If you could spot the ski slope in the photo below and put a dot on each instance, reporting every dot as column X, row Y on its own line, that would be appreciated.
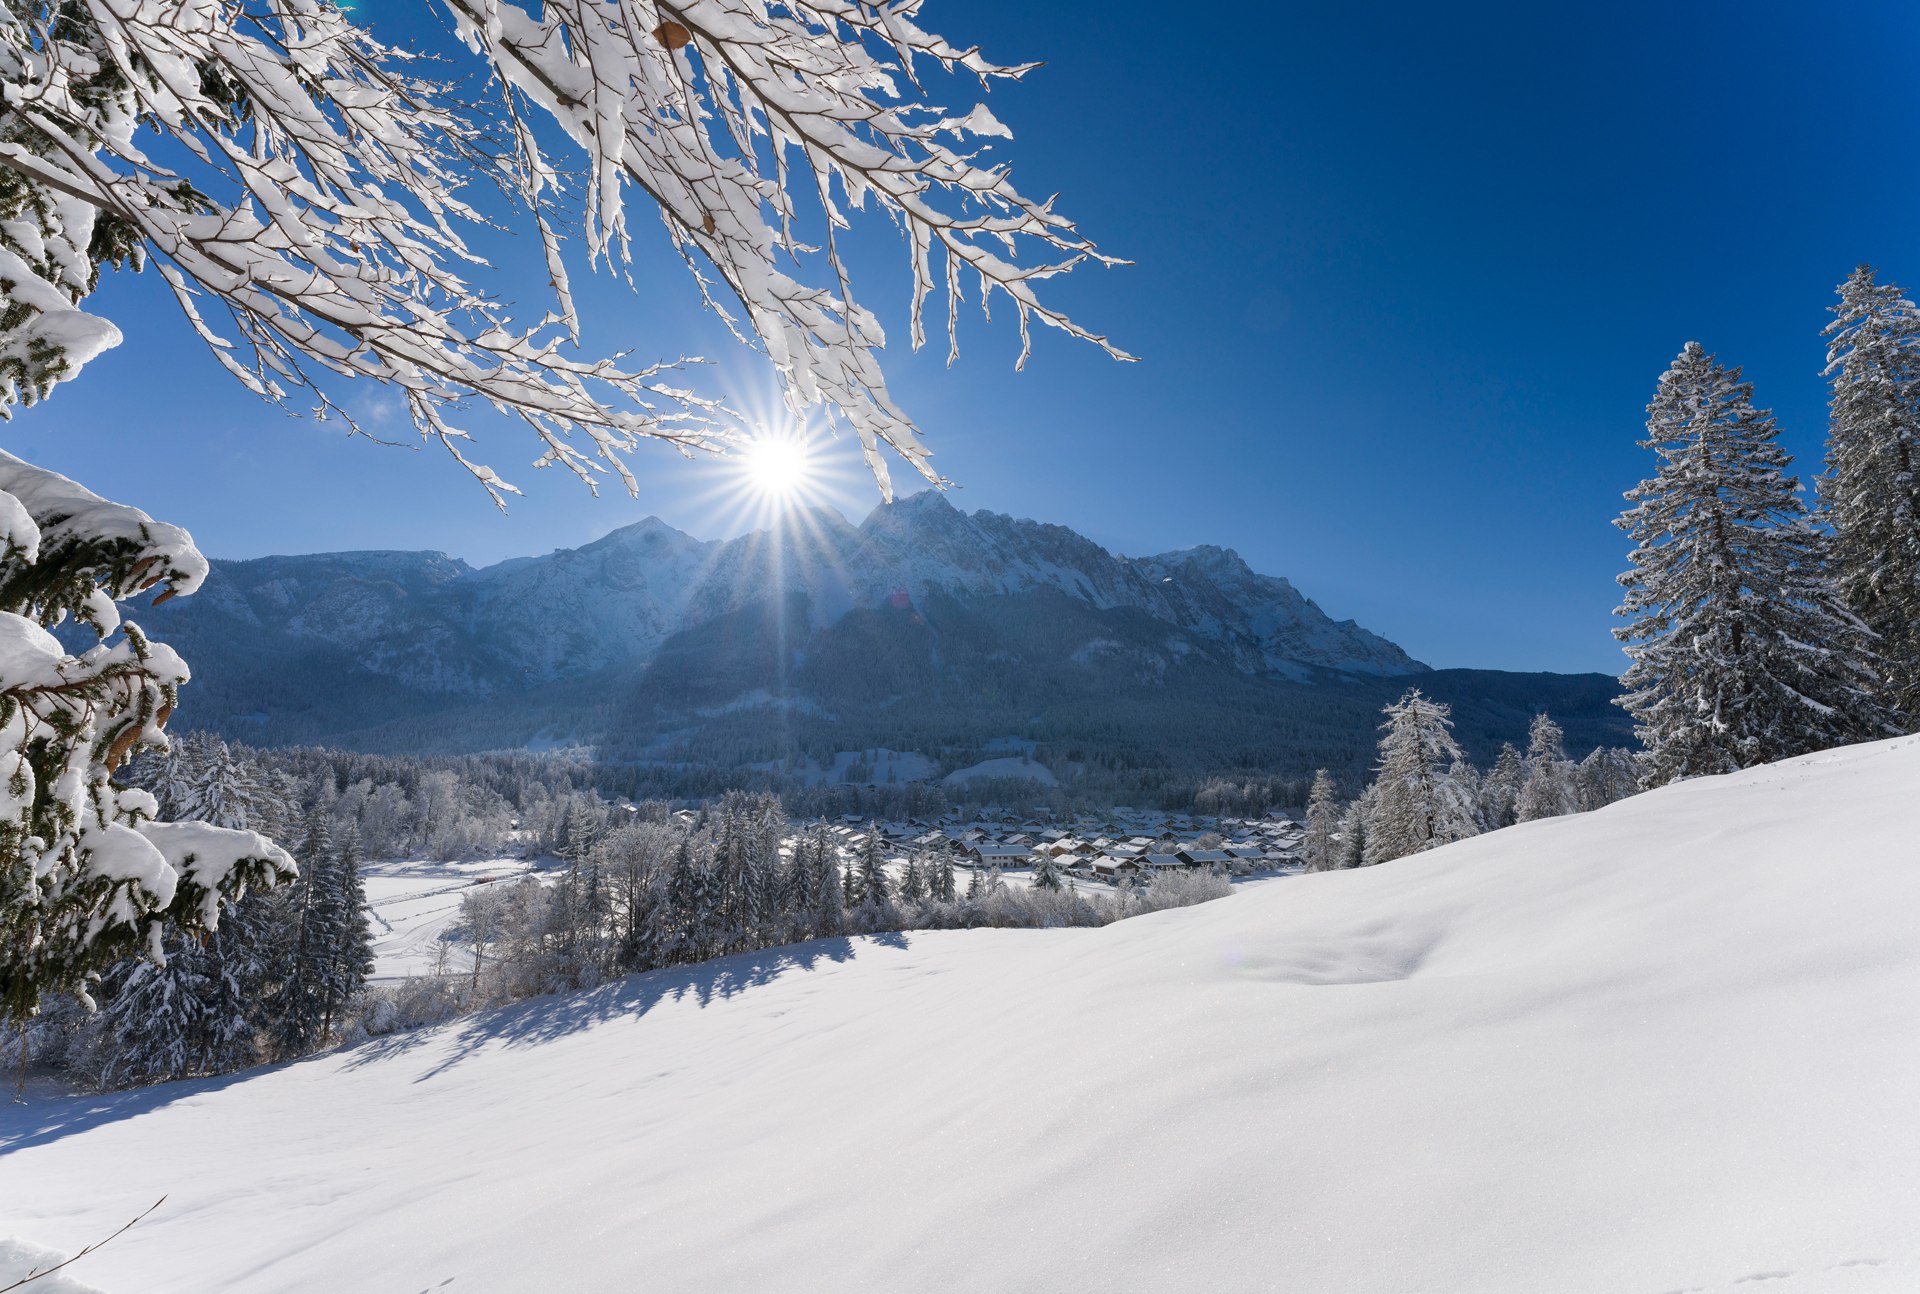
column 1670, row 1046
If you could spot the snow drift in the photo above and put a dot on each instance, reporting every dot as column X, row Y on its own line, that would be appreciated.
column 1673, row 1045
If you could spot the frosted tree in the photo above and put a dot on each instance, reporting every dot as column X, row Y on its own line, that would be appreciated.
column 1500, row 789
column 829, row 894
column 186, row 1015
column 942, row 887
column 345, row 945
column 1870, row 491
column 1550, row 788
column 87, row 876
column 1319, row 849
column 1418, row 803
column 1610, row 773
column 1355, row 826
column 913, row 881
column 1046, row 872
column 297, row 1010
column 1740, row 651
column 310, row 217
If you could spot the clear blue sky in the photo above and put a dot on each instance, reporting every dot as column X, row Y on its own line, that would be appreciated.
column 1406, row 275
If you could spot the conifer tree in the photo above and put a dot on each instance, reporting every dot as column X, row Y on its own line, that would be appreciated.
column 1500, row 789
column 875, row 887
column 1740, row 652
column 1046, row 872
column 1319, row 850
column 297, row 1009
column 943, row 879
column 1419, row 804
column 913, row 881
column 1549, row 789
column 1870, row 491
column 976, row 885
column 829, row 896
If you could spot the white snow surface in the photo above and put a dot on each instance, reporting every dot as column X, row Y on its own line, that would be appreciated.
column 414, row 904
column 1005, row 766
column 1672, row 1045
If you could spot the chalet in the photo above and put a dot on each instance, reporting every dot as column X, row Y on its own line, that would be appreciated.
column 1163, row 863
column 1205, row 857
column 991, row 855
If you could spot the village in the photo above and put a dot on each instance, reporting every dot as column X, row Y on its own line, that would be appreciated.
column 1112, row 847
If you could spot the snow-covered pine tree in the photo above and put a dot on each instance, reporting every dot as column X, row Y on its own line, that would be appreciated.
column 296, row 1010
column 346, row 948
column 1355, row 823
column 1870, row 490
column 976, row 885
column 1419, row 805
column 1549, row 789
column 1610, row 773
column 1500, row 789
column 829, row 895
column 1319, row 850
column 913, row 881
column 875, row 886
column 943, row 879
column 1046, row 872
column 186, row 1015
column 1740, row 651
column 87, row 876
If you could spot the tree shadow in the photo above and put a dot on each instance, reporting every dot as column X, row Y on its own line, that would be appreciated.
column 544, row 1019
column 43, row 1120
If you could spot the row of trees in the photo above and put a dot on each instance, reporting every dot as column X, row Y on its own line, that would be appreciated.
column 277, row 976
column 1759, row 628
column 1426, row 794
column 642, row 895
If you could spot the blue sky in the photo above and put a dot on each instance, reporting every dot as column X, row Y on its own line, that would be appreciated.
column 1405, row 277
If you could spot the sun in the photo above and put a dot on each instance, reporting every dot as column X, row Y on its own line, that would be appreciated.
column 777, row 467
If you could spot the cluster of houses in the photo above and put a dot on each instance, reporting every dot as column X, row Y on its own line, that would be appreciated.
column 1120, row 844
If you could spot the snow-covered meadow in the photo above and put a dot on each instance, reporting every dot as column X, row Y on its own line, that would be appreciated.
column 1672, row 1045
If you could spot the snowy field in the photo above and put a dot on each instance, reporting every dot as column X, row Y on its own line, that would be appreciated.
column 1671, row 1046
column 412, row 905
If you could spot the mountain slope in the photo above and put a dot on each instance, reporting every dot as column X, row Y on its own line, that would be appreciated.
column 922, row 621
column 1666, row 1046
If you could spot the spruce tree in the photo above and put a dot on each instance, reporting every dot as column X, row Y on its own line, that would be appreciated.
column 1500, row 789
column 1319, row 850
column 1740, row 651
column 1870, row 491
column 875, row 886
column 1419, row 804
column 1046, row 872
column 1549, row 789
column 829, row 914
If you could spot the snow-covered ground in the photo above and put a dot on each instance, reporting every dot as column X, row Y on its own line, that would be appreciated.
column 1670, row 1046
column 413, row 904
column 1004, row 766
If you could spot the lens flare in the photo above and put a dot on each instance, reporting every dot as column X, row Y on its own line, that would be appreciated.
column 777, row 467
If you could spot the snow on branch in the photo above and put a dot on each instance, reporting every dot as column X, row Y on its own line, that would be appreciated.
column 318, row 234
column 721, row 111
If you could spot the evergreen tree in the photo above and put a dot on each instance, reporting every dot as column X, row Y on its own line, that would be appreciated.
column 1549, row 790
column 1046, row 872
column 1608, row 774
column 1319, row 851
column 829, row 896
column 943, row 879
column 1740, row 652
column 187, row 1016
column 913, row 881
column 1420, row 805
column 976, row 885
column 1870, row 491
column 1500, row 789
column 875, row 887
column 298, row 1006
column 346, row 938
column 1354, row 826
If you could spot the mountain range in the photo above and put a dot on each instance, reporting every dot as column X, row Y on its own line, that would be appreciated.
column 923, row 628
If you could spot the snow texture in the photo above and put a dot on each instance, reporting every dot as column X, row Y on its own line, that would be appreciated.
column 1665, row 1046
